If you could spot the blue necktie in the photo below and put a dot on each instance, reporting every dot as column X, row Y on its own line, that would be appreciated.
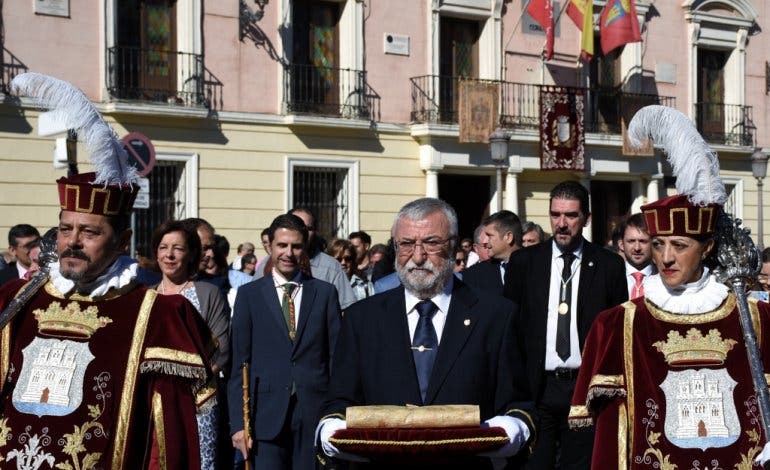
column 425, row 344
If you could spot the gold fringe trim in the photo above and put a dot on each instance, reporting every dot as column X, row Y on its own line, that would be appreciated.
column 206, row 398
column 577, row 423
column 179, row 370
column 578, row 411
column 466, row 440
column 603, row 392
column 173, row 355
column 607, row 381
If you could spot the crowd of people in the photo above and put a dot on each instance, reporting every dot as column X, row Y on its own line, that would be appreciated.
column 292, row 381
column 575, row 355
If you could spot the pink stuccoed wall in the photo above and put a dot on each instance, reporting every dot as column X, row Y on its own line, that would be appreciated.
column 250, row 76
column 389, row 74
column 67, row 48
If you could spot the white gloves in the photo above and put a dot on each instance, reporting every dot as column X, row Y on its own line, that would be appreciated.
column 515, row 429
column 763, row 456
column 326, row 429
column 517, row 432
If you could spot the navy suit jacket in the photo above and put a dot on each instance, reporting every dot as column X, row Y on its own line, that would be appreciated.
column 10, row 273
column 527, row 280
column 485, row 276
column 260, row 336
column 478, row 361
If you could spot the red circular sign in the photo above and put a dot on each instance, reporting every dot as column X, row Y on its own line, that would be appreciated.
column 141, row 152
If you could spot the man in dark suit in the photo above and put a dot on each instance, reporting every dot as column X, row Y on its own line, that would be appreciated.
column 561, row 286
column 503, row 230
column 430, row 341
column 285, row 326
column 21, row 239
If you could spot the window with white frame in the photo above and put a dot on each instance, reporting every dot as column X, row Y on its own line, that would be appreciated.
column 330, row 189
column 734, row 203
column 172, row 196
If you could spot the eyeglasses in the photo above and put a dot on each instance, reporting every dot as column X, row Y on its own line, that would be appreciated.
column 431, row 246
column 345, row 258
column 459, row 261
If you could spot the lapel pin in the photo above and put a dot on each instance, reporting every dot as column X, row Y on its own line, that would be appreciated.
column 467, row 322
column 590, row 264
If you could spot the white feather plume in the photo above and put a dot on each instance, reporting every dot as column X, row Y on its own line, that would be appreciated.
column 76, row 112
column 695, row 165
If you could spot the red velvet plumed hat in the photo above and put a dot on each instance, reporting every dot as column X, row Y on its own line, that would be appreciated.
column 112, row 189
column 694, row 211
column 79, row 193
column 676, row 215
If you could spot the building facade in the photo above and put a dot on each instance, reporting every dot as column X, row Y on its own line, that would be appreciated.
column 351, row 106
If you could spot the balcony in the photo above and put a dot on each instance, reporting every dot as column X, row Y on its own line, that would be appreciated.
column 10, row 66
column 606, row 107
column 330, row 92
column 435, row 98
column 160, row 77
column 726, row 124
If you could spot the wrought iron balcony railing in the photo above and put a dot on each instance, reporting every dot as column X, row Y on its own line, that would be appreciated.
column 435, row 99
column 159, row 76
column 727, row 124
column 329, row 91
column 606, row 107
column 10, row 66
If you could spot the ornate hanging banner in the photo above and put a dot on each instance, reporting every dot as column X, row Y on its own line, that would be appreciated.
column 477, row 110
column 562, row 135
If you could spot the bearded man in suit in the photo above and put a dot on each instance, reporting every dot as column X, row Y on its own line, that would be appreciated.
column 561, row 285
column 431, row 341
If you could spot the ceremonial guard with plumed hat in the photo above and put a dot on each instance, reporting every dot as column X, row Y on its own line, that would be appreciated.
column 97, row 371
column 665, row 377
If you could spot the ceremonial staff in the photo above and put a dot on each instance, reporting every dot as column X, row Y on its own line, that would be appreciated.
column 46, row 257
column 697, row 169
column 740, row 264
column 246, row 423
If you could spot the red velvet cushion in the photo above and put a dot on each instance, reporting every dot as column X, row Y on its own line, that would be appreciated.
column 396, row 443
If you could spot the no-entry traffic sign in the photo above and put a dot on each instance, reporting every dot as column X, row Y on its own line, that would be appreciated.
column 141, row 152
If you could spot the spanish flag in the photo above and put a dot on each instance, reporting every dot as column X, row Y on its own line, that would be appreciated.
column 582, row 14
column 618, row 24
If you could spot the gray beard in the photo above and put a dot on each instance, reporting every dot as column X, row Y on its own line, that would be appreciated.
column 421, row 284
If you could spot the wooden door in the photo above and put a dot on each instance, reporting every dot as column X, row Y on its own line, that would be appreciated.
column 610, row 202
column 711, row 92
column 459, row 58
column 316, row 72
column 158, row 74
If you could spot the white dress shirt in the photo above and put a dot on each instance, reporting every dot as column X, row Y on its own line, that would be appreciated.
column 552, row 359
column 441, row 300
column 22, row 270
column 296, row 294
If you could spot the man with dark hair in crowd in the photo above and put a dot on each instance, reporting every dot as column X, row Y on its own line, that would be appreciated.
column 21, row 239
column 503, row 231
column 208, row 261
column 561, row 286
column 323, row 266
column 635, row 246
column 285, row 327
column 361, row 242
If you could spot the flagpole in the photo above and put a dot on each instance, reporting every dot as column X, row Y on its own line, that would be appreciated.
column 504, row 70
column 555, row 22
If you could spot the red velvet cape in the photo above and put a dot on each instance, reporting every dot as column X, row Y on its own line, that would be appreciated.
column 691, row 410
column 130, row 400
